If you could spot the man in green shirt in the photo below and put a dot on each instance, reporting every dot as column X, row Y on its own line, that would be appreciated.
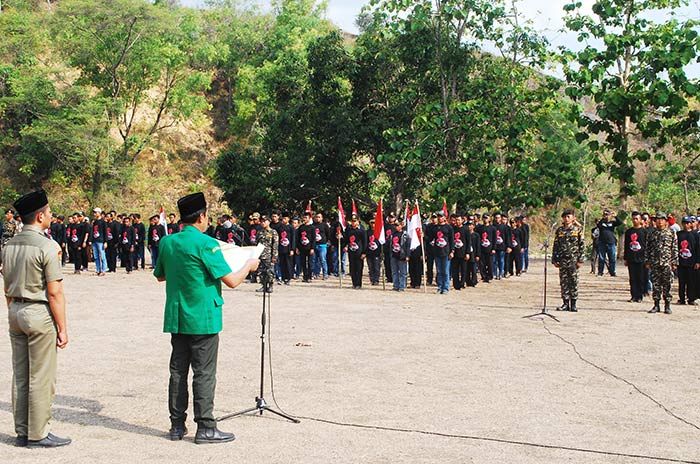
column 193, row 267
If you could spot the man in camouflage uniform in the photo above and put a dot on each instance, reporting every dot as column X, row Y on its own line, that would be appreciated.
column 9, row 228
column 269, row 238
column 567, row 255
column 661, row 257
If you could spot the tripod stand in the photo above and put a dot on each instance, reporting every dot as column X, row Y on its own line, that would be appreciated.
column 260, row 403
column 545, row 246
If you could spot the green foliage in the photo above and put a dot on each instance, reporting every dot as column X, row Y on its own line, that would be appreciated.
column 634, row 71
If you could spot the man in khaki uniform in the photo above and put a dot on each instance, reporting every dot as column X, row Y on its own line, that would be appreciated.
column 37, row 320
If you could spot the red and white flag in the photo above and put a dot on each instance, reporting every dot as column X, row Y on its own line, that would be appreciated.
column 162, row 221
column 354, row 208
column 308, row 207
column 379, row 224
column 444, row 208
column 341, row 214
column 415, row 228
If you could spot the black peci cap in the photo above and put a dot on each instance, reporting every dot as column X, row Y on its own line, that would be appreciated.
column 191, row 204
column 567, row 211
column 31, row 202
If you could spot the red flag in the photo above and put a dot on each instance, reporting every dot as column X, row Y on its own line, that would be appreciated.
column 354, row 208
column 341, row 214
column 379, row 224
column 444, row 208
column 415, row 227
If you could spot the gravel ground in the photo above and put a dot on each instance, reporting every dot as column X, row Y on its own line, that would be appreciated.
column 383, row 377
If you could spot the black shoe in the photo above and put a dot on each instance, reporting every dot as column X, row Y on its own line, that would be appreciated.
column 564, row 306
column 212, row 435
column 572, row 306
column 680, row 302
column 51, row 441
column 177, row 432
column 655, row 309
column 21, row 441
column 667, row 307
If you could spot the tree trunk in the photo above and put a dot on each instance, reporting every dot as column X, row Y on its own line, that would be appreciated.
column 685, row 194
column 97, row 179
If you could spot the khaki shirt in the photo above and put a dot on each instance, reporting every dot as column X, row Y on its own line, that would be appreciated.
column 29, row 261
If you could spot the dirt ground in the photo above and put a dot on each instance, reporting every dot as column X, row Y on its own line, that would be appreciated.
column 457, row 378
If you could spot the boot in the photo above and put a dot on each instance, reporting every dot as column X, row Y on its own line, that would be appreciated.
column 564, row 306
column 667, row 307
column 656, row 307
column 572, row 306
column 177, row 431
column 212, row 435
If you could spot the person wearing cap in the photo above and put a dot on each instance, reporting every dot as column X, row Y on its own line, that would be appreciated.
column 98, row 236
column 661, row 257
column 268, row 258
column 688, row 263
column 633, row 255
column 567, row 256
column 607, row 242
column 33, row 282
column 193, row 267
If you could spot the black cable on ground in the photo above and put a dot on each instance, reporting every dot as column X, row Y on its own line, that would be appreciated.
column 471, row 437
column 617, row 377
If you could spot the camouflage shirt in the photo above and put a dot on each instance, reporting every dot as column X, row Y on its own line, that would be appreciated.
column 9, row 230
column 662, row 248
column 568, row 246
column 270, row 240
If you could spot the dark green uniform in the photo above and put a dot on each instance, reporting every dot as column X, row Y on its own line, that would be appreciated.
column 192, row 264
column 567, row 252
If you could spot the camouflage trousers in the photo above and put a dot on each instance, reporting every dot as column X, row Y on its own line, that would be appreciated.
column 568, row 280
column 661, row 279
column 266, row 267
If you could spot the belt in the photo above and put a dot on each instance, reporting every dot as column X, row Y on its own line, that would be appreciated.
column 26, row 300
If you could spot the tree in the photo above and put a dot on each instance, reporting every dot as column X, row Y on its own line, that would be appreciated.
column 634, row 71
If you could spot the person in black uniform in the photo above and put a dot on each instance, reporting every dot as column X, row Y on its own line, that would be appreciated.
column 287, row 245
column 415, row 266
column 635, row 247
column 473, row 255
column 126, row 243
column 688, row 263
column 112, row 229
column 58, row 233
column 322, row 235
column 354, row 238
column 499, row 246
column 389, row 227
column 172, row 226
column 444, row 252
column 429, row 240
column 139, row 242
column 305, row 246
column 75, row 242
column 84, row 233
column 373, row 253
column 486, row 238
column 155, row 233
column 515, row 248
column 459, row 262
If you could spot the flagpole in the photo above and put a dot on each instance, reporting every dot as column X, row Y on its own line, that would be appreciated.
column 340, row 258
column 422, row 246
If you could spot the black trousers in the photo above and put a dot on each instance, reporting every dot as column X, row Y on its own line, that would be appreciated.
column 430, row 264
column 374, row 266
column 486, row 266
column 127, row 259
column 459, row 272
column 356, row 267
column 415, row 270
column 112, row 257
column 200, row 352
column 306, row 264
column 638, row 282
column 472, row 271
column 687, row 284
column 286, row 263
column 140, row 255
column 84, row 256
column 75, row 257
column 387, row 263
column 515, row 261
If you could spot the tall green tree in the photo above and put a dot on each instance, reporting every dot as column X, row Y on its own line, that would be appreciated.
column 634, row 71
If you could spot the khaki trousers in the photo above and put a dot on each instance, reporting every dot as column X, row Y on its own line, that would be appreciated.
column 33, row 337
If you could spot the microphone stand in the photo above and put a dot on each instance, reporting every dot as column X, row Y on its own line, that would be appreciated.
column 545, row 246
column 260, row 403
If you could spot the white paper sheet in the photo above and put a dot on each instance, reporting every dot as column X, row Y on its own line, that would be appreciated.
column 236, row 256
